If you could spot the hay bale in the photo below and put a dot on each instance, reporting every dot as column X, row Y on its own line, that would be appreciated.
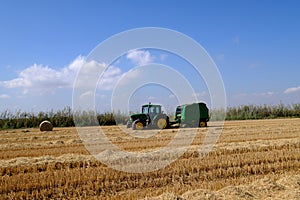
column 46, row 126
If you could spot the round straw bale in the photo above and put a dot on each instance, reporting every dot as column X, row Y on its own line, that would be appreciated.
column 46, row 126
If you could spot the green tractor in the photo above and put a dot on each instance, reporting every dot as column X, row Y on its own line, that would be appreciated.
column 152, row 116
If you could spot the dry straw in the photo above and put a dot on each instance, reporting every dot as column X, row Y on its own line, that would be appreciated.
column 46, row 126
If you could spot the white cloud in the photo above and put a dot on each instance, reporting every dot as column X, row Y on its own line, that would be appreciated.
column 129, row 77
column 89, row 76
column 140, row 57
column 40, row 79
column 109, row 78
column 291, row 90
column 36, row 77
column 4, row 96
column 44, row 79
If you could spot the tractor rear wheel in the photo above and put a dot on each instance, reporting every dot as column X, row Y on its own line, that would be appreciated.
column 202, row 124
column 137, row 125
column 161, row 123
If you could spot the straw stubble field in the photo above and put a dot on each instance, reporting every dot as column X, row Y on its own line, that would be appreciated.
column 251, row 160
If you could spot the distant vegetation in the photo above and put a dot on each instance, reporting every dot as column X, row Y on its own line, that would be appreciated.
column 262, row 112
column 64, row 117
column 60, row 118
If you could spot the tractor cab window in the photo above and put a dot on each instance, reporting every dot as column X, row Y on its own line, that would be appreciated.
column 155, row 109
column 145, row 109
column 152, row 110
column 158, row 109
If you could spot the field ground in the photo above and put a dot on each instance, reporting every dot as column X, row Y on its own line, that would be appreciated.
column 257, row 159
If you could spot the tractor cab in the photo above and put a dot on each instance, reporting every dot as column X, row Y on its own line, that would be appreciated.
column 151, row 117
column 151, row 110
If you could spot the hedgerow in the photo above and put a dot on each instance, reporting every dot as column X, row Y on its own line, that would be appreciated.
column 65, row 117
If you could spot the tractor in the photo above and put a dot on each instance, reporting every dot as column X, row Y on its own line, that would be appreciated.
column 152, row 116
column 187, row 115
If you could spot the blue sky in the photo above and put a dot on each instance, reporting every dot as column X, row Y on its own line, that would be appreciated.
column 255, row 45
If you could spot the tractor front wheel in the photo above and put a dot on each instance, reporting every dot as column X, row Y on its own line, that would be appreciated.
column 137, row 125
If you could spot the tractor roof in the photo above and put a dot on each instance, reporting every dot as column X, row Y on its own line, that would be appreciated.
column 151, row 105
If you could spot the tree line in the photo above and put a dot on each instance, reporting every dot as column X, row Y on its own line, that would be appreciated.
column 66, row 117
